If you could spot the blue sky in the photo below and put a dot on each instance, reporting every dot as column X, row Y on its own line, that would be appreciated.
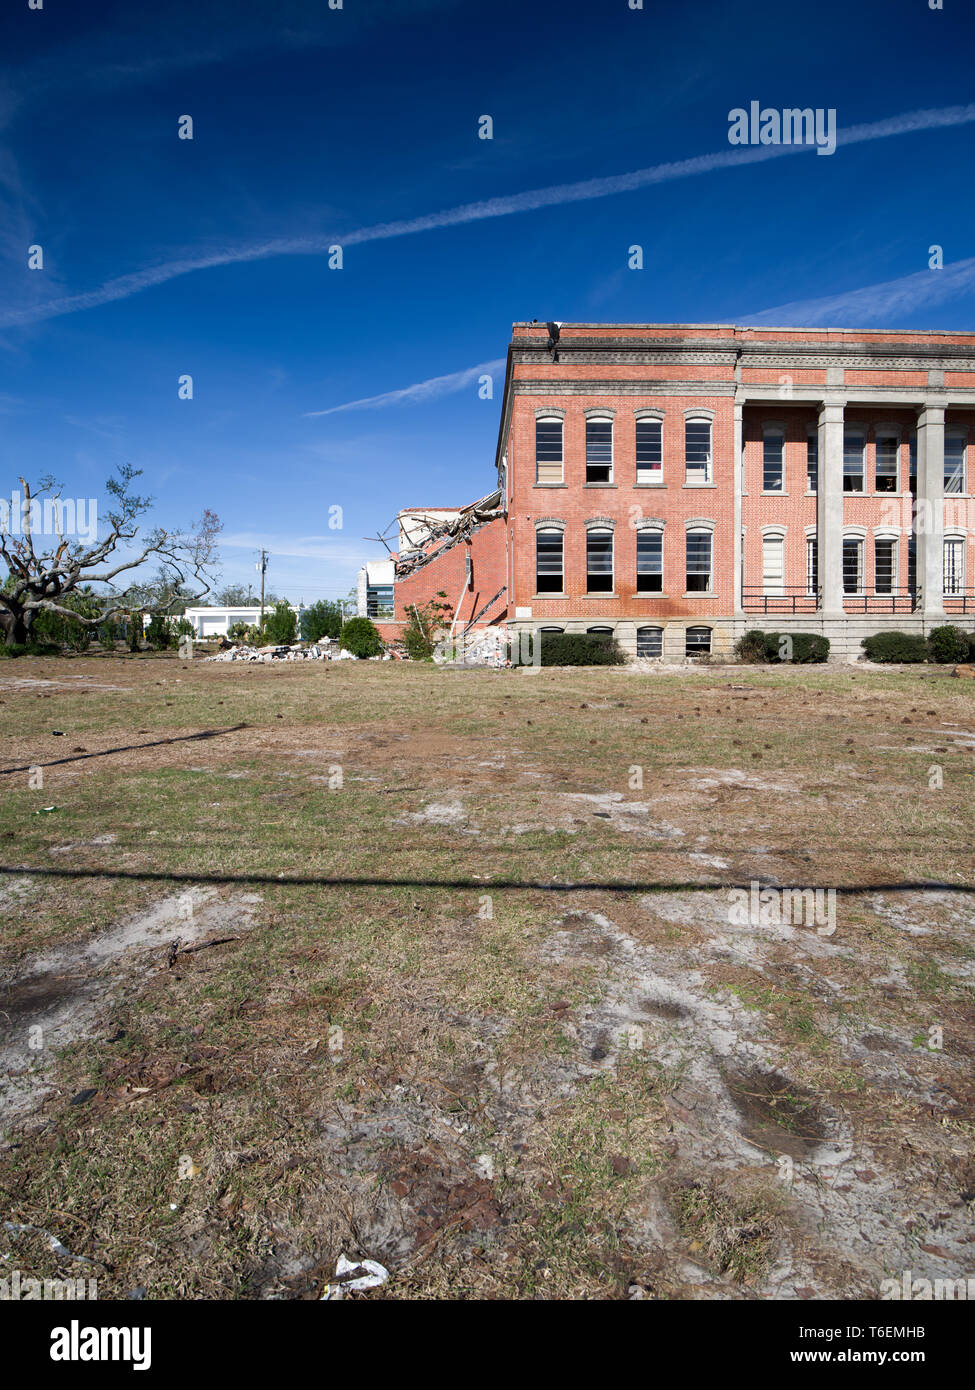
column 359, row 127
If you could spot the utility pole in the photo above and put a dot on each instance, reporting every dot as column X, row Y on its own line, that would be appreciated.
column 262, row 567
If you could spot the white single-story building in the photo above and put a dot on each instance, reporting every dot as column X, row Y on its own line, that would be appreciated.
column 217, row 622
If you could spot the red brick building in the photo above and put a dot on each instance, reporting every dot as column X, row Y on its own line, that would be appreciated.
column 677, row 484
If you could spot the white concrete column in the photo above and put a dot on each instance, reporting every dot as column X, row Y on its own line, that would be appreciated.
column 739, row 480
column 930, row 513
column 829, row 507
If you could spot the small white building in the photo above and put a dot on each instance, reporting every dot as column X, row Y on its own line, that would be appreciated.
column 217, row 622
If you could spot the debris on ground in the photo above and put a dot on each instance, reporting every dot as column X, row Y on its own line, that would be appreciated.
column 317, row 651
column 351, row 1280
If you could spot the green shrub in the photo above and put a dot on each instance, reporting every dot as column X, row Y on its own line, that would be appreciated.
column 237, row 632
column 361, row 637
column 895, row 646
column 948, row 644
column 280, row 625
column 751, row 647
column 12, row 649
column 971, row 646
column 322, row 619
column 798, row 647
column 573, row 649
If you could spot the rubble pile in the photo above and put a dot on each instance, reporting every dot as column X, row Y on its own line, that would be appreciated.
column 318, row 651
column 484, row 647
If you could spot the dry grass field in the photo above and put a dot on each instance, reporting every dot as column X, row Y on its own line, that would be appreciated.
column 449, row 969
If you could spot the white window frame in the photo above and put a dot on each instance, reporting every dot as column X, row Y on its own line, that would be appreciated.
column 691, row 479
column 886, row 432
column 773, row 536
column 601, row 418
column 954, row 541
column 602, row 528
column 858, row 432
column 545, row 419
column 957, row 432
column 649, row 417
column 549, row 528
column 772, row 430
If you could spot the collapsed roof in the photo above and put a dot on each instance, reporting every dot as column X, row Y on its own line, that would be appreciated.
column 440, row 537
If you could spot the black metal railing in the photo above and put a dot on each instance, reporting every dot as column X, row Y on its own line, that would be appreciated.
column 882, row 601
column 785, row 599
column 961, row 601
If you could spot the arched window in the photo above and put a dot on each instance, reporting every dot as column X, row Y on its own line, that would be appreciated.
column 548, row 560
column 773, row 563
column 548, row 449
column 697, row 449
column 599, row 561
column 599, row 450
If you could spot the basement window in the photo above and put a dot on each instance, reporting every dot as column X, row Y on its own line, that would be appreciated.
column 649, row 641
column 697, row 641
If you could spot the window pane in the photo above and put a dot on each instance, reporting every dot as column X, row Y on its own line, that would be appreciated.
column 649, row 450
column 953, row 565
column 599, row 561
column 697, row 449
column 812, row 565
column 888, row 451
column 548, row 441
column 853, row 461
column 852, row 566
column 812, row 460
column 649, row 562
column 773, row 450
column 599, row 451
column 954, row 461
column 883, row 579
column 548, row 552
column 698, row 561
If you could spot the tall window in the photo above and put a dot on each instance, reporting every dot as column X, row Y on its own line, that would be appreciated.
column 812, row 460
column 649, row 562
column 912, row 464
column 599, row 561
column 697, row 451
column 548, row 450
column 888, row 452
column 812, row 565
column 852, row 565
column 649, row 451
column 884, row 565
column 773, row 450
column 599, row 451
column 955, row 443
column 649, row 641
column 954, row 565
column 548, row 561
column 773, row 565
column 698, row 562
column 912, row 565
column 853, row 460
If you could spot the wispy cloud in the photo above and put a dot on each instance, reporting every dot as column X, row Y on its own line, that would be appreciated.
column 881, row 303
column 532, row 200
column 337, row 551
column 420, row 391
